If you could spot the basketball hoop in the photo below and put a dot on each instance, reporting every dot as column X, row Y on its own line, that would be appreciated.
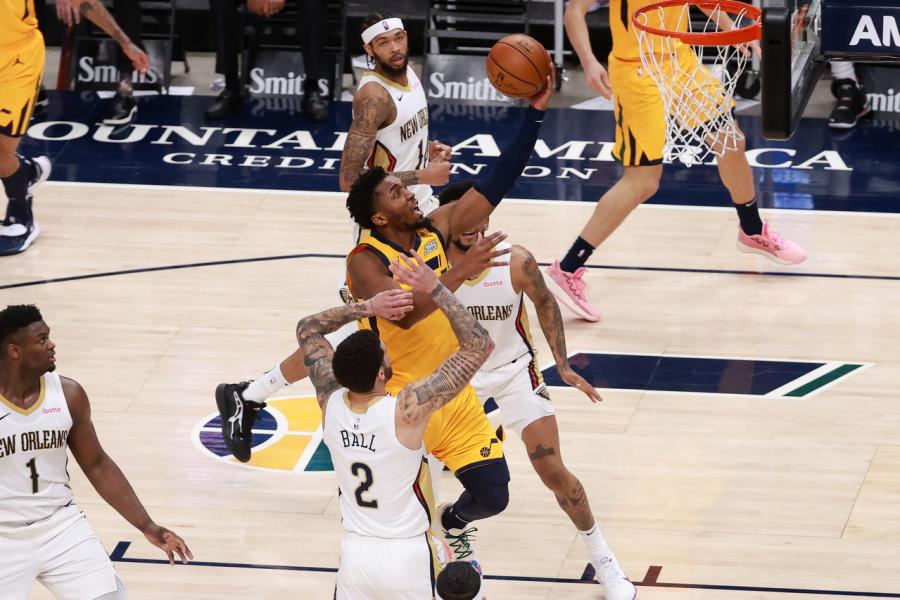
column 696, row 68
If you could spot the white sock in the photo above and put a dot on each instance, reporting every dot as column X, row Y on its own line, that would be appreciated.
column 843, row 69
column 598, row 548
column 261, row 388
column 596, row 545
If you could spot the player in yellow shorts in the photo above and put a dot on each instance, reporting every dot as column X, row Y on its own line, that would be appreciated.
column 640, row 139
column 21, row 66
column 459, row 434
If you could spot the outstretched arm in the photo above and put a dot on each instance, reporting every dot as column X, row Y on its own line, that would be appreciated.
column 317, row 350
column 418, row 400
column 479, row 201
column 109, row 481
column 373, row 108
column 97, row 13
column 527, row 277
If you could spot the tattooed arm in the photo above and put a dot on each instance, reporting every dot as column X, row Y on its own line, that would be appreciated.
column 97, row 13
column 317, row 350
column 373, row 109
column 527, row 277
column 418, row 400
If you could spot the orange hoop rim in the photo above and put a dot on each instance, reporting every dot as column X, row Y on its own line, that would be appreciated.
column 742, row 35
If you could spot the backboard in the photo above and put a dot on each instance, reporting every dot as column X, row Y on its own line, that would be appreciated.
column 800, row 36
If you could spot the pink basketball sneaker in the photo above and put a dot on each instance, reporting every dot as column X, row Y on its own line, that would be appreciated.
column 771, row 245
column 571, row 291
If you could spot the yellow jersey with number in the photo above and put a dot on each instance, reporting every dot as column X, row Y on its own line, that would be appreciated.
column 625, row 42
column 18, row 22
column 418, row 351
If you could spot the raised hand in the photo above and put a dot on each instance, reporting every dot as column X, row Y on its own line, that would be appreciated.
column 168, row 542
column 436, row 173
column 578, row 382
column 542, row 98
column 438, row 152
column 412, row 271
column 482, row 256
column 392, row 305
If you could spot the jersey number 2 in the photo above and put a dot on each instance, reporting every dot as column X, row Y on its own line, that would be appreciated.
column 34, row 475
column 364, row 485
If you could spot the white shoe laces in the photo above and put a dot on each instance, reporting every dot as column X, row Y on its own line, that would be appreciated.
column 236, row 420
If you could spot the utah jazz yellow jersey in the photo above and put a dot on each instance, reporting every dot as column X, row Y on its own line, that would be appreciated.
column 459, row 434
column 625, row 43
column 418, row 351
column 18, row 22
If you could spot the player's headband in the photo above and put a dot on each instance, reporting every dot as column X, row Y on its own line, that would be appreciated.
column 380, row 27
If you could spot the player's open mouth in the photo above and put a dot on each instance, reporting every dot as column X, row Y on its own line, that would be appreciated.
column 398, row 61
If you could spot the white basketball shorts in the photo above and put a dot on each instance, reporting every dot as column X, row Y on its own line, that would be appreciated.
column 373, row 568
column 519, row 391
column 62, row 552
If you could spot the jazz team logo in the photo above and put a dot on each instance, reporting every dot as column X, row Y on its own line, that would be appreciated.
column 287, row 436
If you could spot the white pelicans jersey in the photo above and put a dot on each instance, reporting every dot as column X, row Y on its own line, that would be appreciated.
column 34, row 482
column 385, row 488
column 402, row 145
column 492, row 300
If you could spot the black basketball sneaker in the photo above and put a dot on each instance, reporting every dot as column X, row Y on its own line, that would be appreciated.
column 237, row 416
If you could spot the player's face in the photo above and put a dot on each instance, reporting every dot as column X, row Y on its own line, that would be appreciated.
column 36, row 350
column 465, row 240
column 396, row 206
column 390, row 51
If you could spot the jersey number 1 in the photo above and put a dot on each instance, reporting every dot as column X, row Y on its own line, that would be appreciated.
column 34, row 475
column 364, row 485
column 423, row 155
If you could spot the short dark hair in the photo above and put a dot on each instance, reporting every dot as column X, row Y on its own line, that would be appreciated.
column 458, row 581
column 373, row 18
column 356, row 361
column 454, row 191
column 361, row 199
column 15, row 317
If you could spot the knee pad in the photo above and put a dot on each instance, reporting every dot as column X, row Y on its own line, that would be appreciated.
column 488, row 486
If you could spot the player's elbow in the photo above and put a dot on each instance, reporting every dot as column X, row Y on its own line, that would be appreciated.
column 484, row 345
column 303, row 329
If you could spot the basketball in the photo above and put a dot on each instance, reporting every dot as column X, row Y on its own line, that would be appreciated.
column 518, row 66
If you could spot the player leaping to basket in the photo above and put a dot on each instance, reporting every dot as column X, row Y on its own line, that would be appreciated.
column 649, row 103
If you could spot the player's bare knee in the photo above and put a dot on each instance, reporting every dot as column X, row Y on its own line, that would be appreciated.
column 644, row 182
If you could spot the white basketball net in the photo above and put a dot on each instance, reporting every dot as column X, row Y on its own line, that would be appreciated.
column 697, row 84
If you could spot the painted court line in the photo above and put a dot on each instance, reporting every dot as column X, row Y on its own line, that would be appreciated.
column 651, row 579
column 235, row 261
column 343, row 195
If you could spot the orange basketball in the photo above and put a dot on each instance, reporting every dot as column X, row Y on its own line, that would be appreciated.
column 518, row 66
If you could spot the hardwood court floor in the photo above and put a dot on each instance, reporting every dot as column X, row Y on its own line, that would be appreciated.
column 749, row 491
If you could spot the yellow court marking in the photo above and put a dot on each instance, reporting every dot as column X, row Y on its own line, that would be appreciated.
column 302, row 414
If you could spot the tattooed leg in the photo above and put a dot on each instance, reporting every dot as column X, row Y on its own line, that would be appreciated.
column 541, row 439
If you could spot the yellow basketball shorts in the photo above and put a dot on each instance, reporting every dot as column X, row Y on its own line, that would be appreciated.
column 460, row 435
column 639, row 110
column 21, row 68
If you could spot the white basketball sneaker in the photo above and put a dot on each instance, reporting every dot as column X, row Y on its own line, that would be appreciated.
column 610, row 574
